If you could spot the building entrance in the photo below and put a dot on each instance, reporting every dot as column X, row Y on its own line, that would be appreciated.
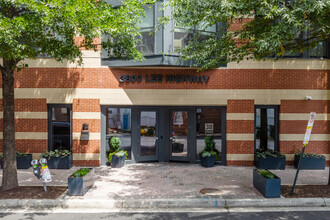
column 163, row 134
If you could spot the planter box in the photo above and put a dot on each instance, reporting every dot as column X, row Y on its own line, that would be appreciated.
column 207, row 161
column 269, row 188
column 177, row 148
column 117, row 162
column 310, row 163
column 60, row 163
column 270, row 163
column 78, row 186
column 24, row 162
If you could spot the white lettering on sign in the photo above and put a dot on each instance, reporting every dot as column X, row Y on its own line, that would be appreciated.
column 309, row 128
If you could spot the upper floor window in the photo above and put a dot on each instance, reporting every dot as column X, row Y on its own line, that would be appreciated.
column 184, row 36
column 146, row 44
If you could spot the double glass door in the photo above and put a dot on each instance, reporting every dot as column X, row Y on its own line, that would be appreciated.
column 162, row 135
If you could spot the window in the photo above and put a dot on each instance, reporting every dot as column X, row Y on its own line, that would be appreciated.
column 208, row 123
column 319, row 51
column 118, row 124
column 146, row 44
column 59, row 122
column 266, row 128
column 184, row 36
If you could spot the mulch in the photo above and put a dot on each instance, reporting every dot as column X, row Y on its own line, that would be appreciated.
column 306, row 191
column 33, row 192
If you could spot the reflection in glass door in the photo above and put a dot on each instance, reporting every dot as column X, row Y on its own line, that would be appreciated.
column 148, row 135
column 179, row 134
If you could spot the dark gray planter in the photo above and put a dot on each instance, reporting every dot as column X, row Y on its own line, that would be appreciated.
column 24, row 162
column 207, row 161
column 117, row 162
column 78, row 186
column 310, row 163
column 270, row 163
column 269, row 188
column 60, row 163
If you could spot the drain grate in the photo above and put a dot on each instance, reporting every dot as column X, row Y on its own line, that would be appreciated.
column 210, row 192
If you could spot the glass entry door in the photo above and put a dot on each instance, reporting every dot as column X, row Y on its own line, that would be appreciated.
column 148, row 135
column 179, row 135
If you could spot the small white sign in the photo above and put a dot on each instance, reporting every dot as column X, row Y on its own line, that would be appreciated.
column 309, row 127
column 209, row 128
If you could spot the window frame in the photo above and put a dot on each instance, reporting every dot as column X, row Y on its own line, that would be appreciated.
column 49, row 123
column 276, row 122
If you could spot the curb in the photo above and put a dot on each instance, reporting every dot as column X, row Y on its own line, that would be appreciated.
column 164, row 203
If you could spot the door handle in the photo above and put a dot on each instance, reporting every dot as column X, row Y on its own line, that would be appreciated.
column 156, row 138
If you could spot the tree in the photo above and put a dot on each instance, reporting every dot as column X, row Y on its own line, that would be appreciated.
column 29, row 28
column 270, row 28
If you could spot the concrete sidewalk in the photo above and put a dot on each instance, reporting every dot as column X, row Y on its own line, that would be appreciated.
column 166, row 185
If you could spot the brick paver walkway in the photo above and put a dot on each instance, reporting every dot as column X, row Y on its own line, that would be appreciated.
column 174, row 180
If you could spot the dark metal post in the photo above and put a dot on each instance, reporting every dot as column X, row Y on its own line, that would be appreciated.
column 298, row 168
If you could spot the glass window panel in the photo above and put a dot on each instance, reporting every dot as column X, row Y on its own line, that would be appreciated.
column 118, row 124
column 61, row 129
column 182, row 37
column 148, row 20
column 320, row 50
column 147, row 43
column 148, row 133
column 179, row 133
column 265, row 128
column 208, row 123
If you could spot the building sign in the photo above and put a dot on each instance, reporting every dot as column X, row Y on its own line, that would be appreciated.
column 159, row 78
column 309, row 128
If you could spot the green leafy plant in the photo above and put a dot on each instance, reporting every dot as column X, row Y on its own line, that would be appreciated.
column 265, row 173
column 269, row 153
column 81, row 172
column 56, row 153
column 208, row 150
column 19, row 154
column 115, row 149
column 309, row 154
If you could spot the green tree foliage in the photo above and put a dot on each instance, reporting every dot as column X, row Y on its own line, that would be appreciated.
column 277, row 27
column 29, row 28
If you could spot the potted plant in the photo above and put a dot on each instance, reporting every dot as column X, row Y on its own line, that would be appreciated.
column 208, row 154
column 58, row 159
column 267, row 183
column 272, row 160
column 80, row 181
column 116, row 156
column 310, row 161
column 23, row 160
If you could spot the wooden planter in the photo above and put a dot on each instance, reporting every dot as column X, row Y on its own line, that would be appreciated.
column 310, row 163
column 117, row 162
column 78, row 186
column 60, row 163
column 207, row 161
column 269, row 188
column 22, row 162
column 270, row 163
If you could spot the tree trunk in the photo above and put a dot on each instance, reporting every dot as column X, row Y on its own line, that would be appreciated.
column 9, row 176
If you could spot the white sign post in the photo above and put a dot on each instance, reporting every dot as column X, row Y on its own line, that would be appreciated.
column 306, row 140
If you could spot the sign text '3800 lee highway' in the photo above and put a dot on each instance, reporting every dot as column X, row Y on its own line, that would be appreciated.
column 159, row 78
